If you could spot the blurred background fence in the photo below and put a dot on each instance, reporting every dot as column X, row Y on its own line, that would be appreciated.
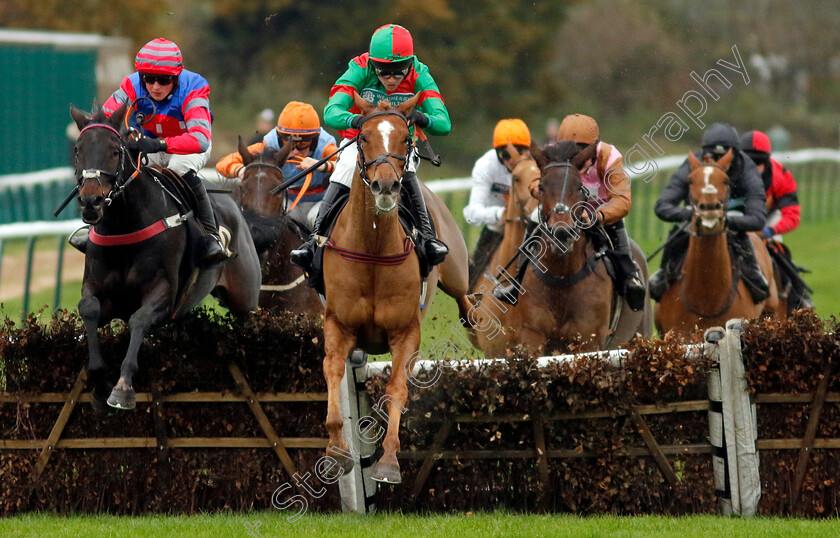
column 27, row 202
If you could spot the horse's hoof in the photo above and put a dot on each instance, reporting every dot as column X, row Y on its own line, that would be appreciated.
column 387, row 472
column 345, row 463
column 122, row 399
column 101, row 407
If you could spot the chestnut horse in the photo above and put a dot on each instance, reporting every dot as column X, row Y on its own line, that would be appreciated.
column 375, row 305
column 707, row 294
column 567, row 294
column 515, row 217
column 140, row 263
column 274, row 233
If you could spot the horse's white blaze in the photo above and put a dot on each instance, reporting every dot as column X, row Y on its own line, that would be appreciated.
column 708, row 189
column 385, row 129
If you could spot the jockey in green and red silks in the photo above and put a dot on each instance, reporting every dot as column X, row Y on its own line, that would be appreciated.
column 388, row 71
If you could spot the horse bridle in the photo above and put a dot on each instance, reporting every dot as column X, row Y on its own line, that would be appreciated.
column 560, row 208
column 383, row 157
column 91, row 174
column 724, row 204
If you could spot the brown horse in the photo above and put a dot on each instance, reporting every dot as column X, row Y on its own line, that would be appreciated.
column 707, row 293
column 375, row 306
column 274, row 233
column 567, row 292
column 140, row 264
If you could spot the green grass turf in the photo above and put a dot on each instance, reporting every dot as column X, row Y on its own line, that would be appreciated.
column 274, row 524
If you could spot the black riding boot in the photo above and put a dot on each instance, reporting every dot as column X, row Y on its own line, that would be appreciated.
column 485, row 247
column 304, row 255
column 214, row 251
column 510, row 294
column 435, row 250
column 751, row 272
column 632, row 288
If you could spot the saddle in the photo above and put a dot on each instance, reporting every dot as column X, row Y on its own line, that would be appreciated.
column 739, row 252
column 183, row 197
column 407, row 220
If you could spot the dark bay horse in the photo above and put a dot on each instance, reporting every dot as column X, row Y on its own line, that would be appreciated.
column 707, row 293
column 376, row 306
column 140, row 264
column 275, row 234
column 568, row 293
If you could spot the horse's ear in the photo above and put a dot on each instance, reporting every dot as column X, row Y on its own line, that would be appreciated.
column 515, row 156
column 538, row 155
column 726, row 160
column 405, row 107
column 363, row 105
column 79, row 117
column 117, row 118
column 283, row 154
column 693, row 161
column 244, row 152
column 587, row 153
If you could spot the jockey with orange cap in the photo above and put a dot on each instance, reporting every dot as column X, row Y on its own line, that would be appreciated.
column 177, row 129
column 491, row 182
column 783, row 211
column 388, row 71
column 298, row 125
column 609, row 192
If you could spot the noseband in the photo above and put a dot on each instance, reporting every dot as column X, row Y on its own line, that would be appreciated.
column 382, row 158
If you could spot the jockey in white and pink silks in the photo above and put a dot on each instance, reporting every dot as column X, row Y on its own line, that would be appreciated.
column 608, row 187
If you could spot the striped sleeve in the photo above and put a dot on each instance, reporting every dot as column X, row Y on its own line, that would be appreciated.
column 125, row 93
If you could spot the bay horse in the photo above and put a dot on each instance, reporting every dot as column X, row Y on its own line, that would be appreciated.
column 375, row 305
column 709, row 292
column 274, row 233
column 139, row 264
column 567, row 293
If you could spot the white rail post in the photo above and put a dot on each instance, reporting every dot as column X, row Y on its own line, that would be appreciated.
column 357, row 488
column 740, row 424
column 713, row 336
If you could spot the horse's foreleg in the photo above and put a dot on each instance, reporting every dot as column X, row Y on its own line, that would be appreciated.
column 403, row 344
column 155, row 307
column 338, row 343
column 90, row 309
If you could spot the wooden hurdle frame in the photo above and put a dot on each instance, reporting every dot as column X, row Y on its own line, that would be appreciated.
column 241, row 393
column 734, row 445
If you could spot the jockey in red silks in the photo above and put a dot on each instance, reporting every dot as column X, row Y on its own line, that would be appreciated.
column 388, row 71
column 783, row 211
column 177, row 130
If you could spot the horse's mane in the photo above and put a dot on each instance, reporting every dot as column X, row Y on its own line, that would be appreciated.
column 560, row 151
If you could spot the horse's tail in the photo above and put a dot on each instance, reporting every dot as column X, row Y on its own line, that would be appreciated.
column 265, row 231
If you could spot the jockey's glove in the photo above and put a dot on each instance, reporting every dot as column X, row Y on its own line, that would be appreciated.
column 356, row 122
column 419, row 119
column 768, row 233
column 687, row 213
column 147, row 145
